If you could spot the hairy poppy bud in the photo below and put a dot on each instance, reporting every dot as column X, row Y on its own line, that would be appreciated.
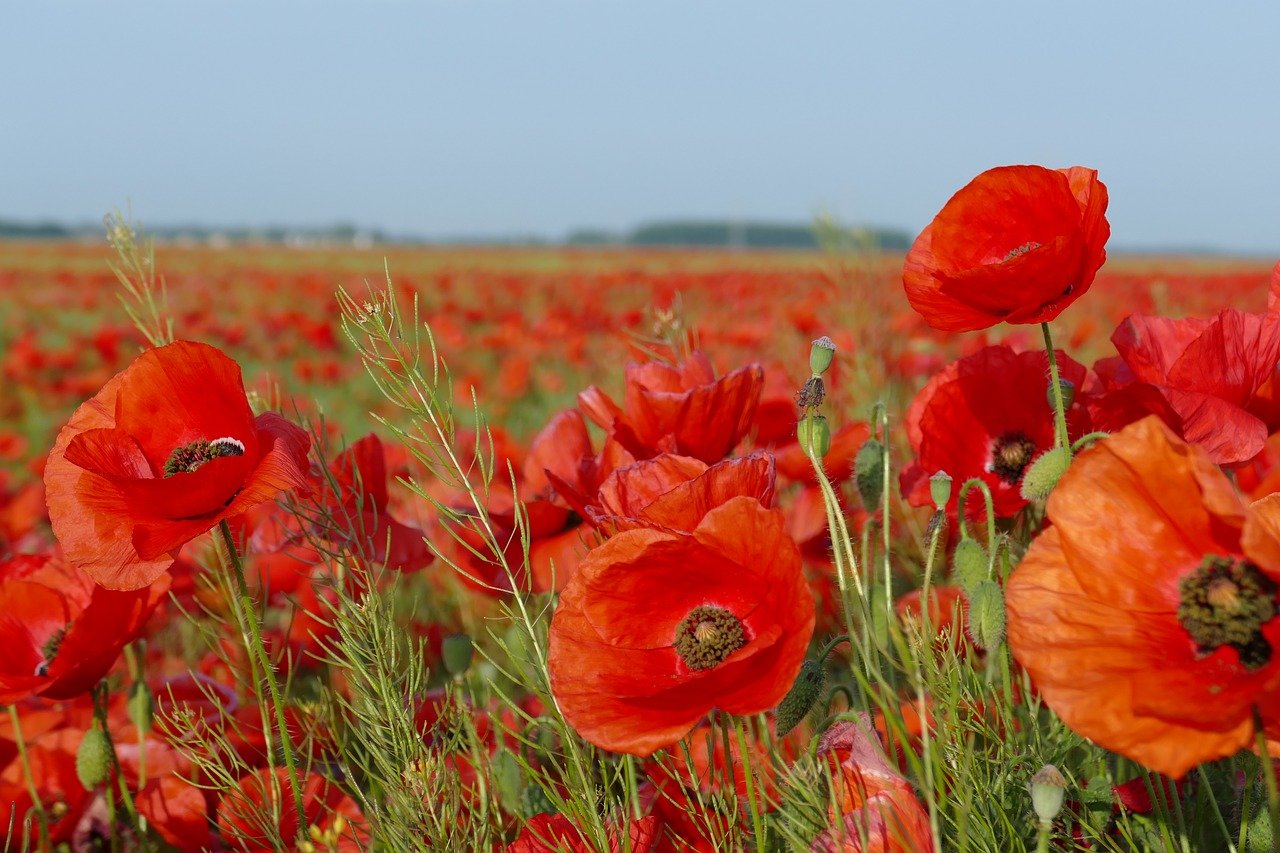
column 508, row 778
column 814, row 435
column 868, row 469
column 986, row 614
column 821, row 354
column 1048, row 791
column 457, row 651
column 1068, row 393
column 140, row 706
column 802, row 696
column 1044, row 473
column 1261, row 833
column 93, row 758
column 940, row 489
column 969, row 564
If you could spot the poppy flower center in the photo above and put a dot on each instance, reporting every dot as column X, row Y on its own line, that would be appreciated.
column 1022, row 250
column 707, row 636
column 1010, row 455
column 50, row 650
column 1226, row 602
column 189, row 457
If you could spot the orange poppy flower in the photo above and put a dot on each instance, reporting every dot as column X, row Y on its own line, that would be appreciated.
column 167, row 449
column 61, row 632
column 1017, row 244
column 681, row 409
column 877, row 810
column 1152, row 634
column 676, row 492
column 659, row 627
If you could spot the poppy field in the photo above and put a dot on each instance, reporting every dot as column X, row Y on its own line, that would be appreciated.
column 549, row 549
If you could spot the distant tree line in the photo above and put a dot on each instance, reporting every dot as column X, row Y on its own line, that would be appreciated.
column 674, row 233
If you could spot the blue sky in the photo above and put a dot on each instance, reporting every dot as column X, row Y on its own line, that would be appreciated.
column 490, row 118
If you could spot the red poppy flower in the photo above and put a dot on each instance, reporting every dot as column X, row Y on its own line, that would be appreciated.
column 53, row 767
column 876, row 810
column 61, row 632
column 1017, row 244
column 986, row 416
column 676, row 492
column 657, row 628
column 546, row 833
column 1202, row 377
column 331, row 818
column 166, row 450
column 1152, row 634
column 681, row 409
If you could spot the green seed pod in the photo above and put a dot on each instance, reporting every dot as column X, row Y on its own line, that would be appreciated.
column 457, row 651
column 986, row 614
column 969, row 564
column 141, row 706
column 1044, row 473
column 821, row 354
column 868, row 467
column 1048, row 791
column 940, row 489
column 93, row 758
column 814, row 435
column 802, row 696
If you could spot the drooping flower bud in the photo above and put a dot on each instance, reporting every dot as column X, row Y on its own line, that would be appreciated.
column 940, row 489
column 457, row 651
column 1048, row 792
column 969, row 564
column 814, row 435
column 508, row 778
column 821, row 354
column 1044, row 473
column 868, row 468
column 986, row 614
column 93, row 758
column 802, row 696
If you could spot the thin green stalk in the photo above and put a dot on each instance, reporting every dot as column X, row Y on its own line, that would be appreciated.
column 757, row 816
column 1055, row 388
column 21, row 744
column 248, row 616
column 99, row 694
column 1217, row 811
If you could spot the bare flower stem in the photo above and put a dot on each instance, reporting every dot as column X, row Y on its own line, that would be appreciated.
column 247, row 615
column 1055, row 388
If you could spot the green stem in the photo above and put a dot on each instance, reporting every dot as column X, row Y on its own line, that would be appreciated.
column 36, row 803
column 249, row 620
column 99, row 694
column 1055, row 388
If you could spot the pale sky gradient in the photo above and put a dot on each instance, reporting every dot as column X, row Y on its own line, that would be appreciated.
column 539, row 116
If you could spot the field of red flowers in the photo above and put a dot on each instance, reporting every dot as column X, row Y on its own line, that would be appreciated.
column 455, row 549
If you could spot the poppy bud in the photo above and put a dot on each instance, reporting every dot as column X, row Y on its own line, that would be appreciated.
column 140, row 706
column 508, row 780
column 1048, row 791
column 821, row 354
column 802, row 696
column 93, row 758
column 868, row 467
column 1068, row 393
column 1261, row 833
column 969, row 564
column 1044, row 473
column 940, row 489
column 457, row 650
column 814, row 435
column 986, row 614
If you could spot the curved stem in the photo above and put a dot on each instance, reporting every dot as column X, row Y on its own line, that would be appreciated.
column 1055, row 388
column 248, row 615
